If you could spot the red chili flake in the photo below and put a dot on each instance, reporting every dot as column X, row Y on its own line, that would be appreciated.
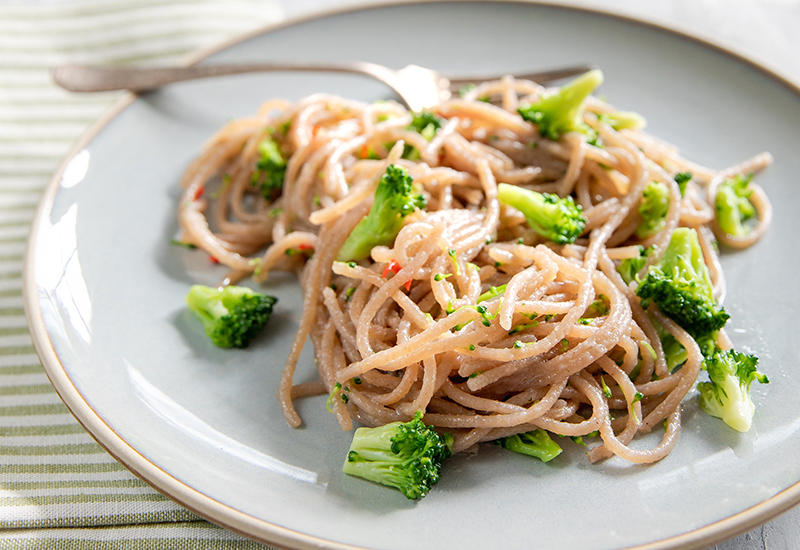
column 315, row 129
column 364, row 152
column 213, row 260
column 394, row 267
column 305, row 246
column 199, row 193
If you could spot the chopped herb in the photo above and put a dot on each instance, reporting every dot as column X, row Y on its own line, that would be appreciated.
column 452, row 253
column 518, row 344
column 349, row 293
column 600, row 307
column 606, row 389
column 329, row 402
column 471, row 347
column 565, row 344
column 520, row 328
column 493, row 292
column 647, row 346
column 176, row 242
column 352, row 265
column 441, row 276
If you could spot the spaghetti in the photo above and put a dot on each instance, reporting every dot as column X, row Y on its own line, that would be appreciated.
column 403, row 331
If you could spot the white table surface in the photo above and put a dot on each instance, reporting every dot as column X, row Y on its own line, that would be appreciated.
column 767, row 31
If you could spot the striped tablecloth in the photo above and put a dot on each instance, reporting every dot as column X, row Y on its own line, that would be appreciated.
column 58, row 488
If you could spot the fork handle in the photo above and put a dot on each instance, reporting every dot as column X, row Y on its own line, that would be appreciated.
column 94, row 78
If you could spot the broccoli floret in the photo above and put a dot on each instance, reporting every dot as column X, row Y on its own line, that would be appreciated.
column 394, row 200
column 623, row 120
column 680, row 285
column 733, row 205
column 405, row 455
column 425, row 123
column 560, row 220
column 536, row 443
column 727, row 395
column 629, row 267
column 560, row 112
column 682, row 178
column 653, row 209
column 232, row 316
column 270, row 168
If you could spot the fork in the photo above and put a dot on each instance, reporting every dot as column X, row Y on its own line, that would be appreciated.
column 418, row 87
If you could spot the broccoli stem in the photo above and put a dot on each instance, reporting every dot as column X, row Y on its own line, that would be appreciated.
column 557, row 219
column 394, row 200
column 561, row 112
column 536, row 443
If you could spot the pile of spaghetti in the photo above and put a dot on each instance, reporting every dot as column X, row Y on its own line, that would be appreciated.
column 468, row 314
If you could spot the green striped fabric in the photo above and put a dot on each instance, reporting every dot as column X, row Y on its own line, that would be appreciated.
column 58, row 488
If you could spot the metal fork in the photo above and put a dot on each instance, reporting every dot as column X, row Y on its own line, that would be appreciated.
column 418, row 87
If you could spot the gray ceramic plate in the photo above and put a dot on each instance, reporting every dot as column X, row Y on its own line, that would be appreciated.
column 105, row 299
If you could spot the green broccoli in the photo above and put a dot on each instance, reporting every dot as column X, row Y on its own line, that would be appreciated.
column 727, row 395
column 394, row 200
column 405, row 455
column 425, row 123
column 680, row 285
column 623, row 120
column 653, row 209
column 683, row 178
column 560, row 220
column 270, row 168
column 629, row 267
column 733, row 205
column 232, row 316
column 536, row 443
column 561, row 112
column 674, row 352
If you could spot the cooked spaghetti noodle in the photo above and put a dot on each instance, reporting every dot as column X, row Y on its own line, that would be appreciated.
column 396, row 337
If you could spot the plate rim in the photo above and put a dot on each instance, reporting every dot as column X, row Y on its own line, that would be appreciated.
column 239, row 521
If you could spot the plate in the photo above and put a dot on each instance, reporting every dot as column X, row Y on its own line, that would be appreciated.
column 104, row 293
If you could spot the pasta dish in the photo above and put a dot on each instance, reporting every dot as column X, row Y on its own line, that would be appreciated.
column 473, row 310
